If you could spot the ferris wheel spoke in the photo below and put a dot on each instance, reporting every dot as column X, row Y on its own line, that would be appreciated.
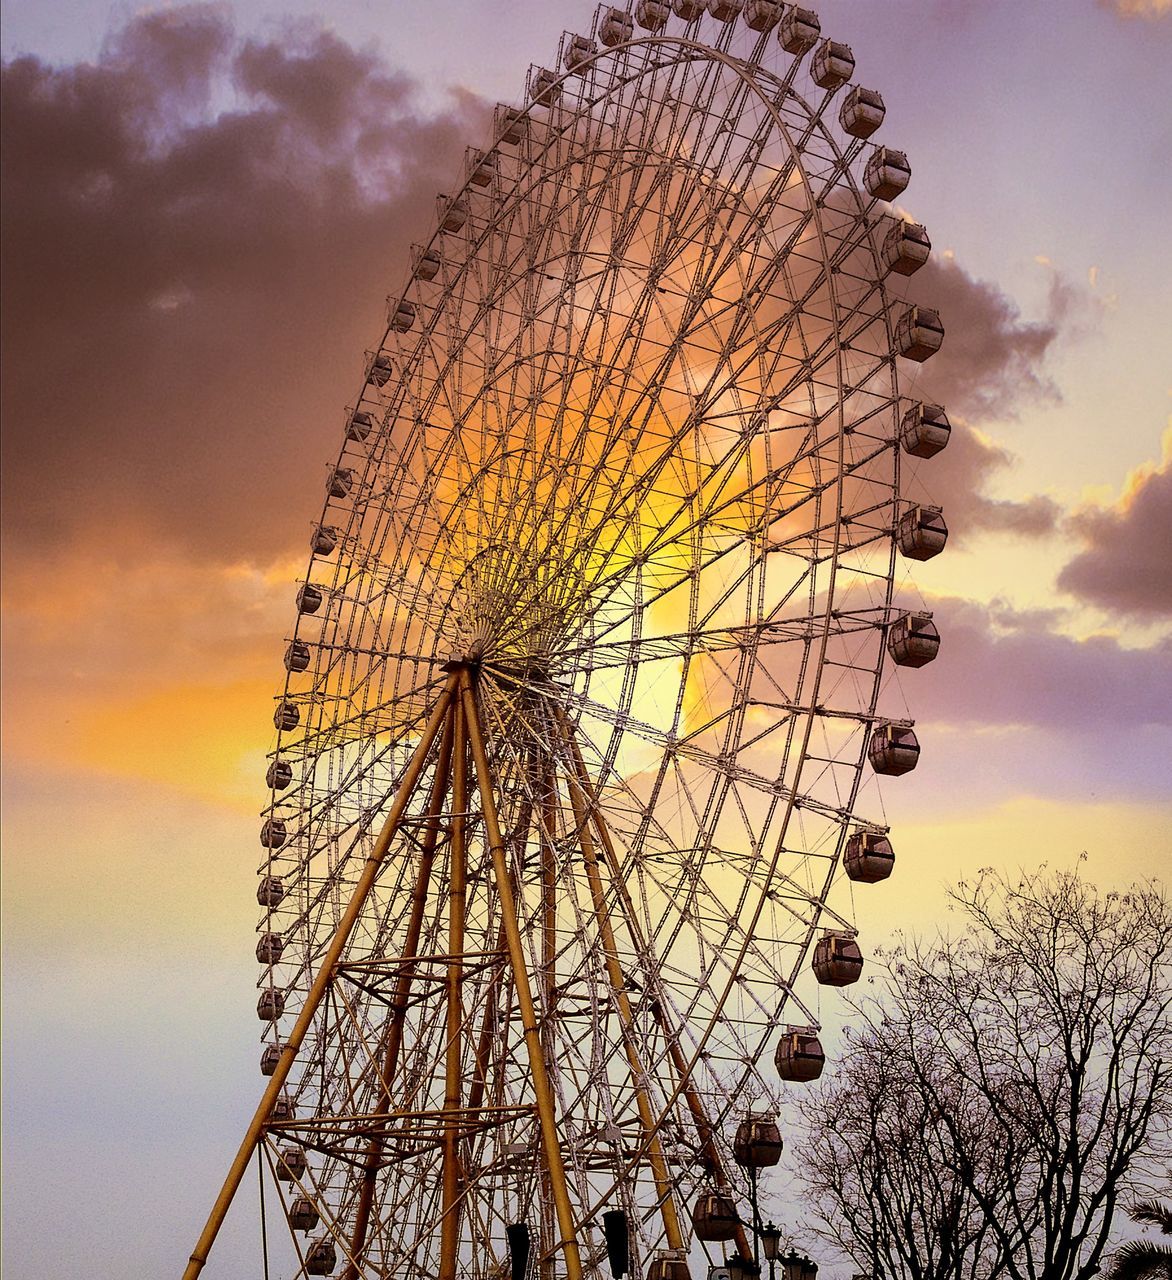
column 769, row 480
column 633, row 474
column 670, row 646
column 668, row 889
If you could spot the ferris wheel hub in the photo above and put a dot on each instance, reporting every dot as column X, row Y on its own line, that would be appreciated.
column 626, row 466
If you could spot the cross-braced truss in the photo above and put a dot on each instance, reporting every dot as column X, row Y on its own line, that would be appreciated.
column 596, row 613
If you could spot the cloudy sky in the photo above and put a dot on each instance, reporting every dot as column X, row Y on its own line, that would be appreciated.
column 204, row 208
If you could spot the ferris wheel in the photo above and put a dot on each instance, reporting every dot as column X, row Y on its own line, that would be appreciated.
column 586, row 669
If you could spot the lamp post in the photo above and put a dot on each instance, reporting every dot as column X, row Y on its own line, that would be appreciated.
column 742, row 1268
column 770, row 1244
column 757, row 1146
column 794, row 1266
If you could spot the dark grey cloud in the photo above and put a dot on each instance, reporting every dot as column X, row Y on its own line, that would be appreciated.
column 199, row 233
column 992, row 362
column 1126, row 563
column 999, row 667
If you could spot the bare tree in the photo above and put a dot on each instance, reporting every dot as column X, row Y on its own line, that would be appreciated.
column 1007, row 1089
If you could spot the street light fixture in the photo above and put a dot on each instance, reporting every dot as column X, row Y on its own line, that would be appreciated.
column 770, row 1244
column 742, row 1268
column 794, row 1266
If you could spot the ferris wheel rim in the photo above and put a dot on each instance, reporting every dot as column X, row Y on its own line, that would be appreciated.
column 701, row 51
column 811, row 711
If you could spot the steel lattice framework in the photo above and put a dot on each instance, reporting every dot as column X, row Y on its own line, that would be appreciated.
column 586, row 666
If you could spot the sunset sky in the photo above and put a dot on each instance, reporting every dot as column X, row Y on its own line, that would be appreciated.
column 204, row 209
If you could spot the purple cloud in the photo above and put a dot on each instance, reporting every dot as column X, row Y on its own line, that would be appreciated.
column 957, row 479
column 992, row 360
column 1126, row 563
column 188, row 291
column 1001, row 667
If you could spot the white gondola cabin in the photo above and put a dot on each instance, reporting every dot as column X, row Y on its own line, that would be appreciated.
column 321, row 1257
column 402, row 317
column 671, row 1264
column 302, row 1215
column 323, row 540
column 287, row 714
column 545, row 88
column 271, row 891
column 340, row 482
column 887, row 173
column 799, row 1056
column 379, row 373
column 862, row 112
column 269, row 948
column 725, row 10
column 925, row 430
column 291, row 1164
column 837, row 960
column 270, row 1059
column 714, row 1216
column 798, row 30
column 453, row 215
column 358, row 426
column 919, row 334
column 833, row 65
column 906, row 248
column 616, row 27
column 868, row 857
column 912, row 640
column 309, row 598
column 481, row 168
column 284, row 1109
column 278, row 775
column 510, row 125
column 271, row 1004
column 652, row 15
column 274, row 833
column 757, row 1143
column 427, row 265
column 893, row 750
column 763, row 15
column 921, row 533
column 297, row 658
column 579, row 51
column 689, row 10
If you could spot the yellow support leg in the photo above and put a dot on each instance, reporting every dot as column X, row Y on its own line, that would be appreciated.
column 199, row 1255
column 708, row 1149
column 554, row 1165
column 393, row 1039
column 457, row 889
column 663, row 1187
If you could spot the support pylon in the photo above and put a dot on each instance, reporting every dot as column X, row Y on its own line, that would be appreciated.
column 393, row 1037
column 664, row 1191
column 710, row 1154
column 554, row 1164
column 256, row 1128
column 457, row 889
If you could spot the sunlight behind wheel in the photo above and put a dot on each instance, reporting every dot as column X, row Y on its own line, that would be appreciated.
column 597, row 611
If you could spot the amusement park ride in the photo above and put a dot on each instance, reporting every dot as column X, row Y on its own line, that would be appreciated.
column 586, row 672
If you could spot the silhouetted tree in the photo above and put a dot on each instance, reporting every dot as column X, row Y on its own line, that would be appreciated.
column 1007, row 1089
